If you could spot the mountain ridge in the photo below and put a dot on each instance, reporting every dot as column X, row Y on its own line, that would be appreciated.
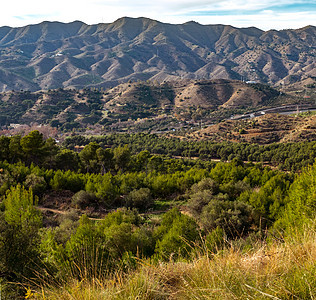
column 51, row 55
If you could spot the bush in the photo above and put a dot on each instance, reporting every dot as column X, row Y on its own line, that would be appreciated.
column 83, row 199
column 176, row 235
column 205, row 184
column 105, row 188
column 67, row 181
column 36, row 183
column 300, row 207
column 198, row 200
column 140, row 199
column 236, row 218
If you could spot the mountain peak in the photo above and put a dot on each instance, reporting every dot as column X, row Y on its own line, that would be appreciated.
column 192, row 23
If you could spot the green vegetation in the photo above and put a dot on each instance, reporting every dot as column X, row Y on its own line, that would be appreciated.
column 275, row 271
column 285, row 156
column 135, row 222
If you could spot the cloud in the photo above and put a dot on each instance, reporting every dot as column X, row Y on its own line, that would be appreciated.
column 265, row 20
column 31, row 17
column 264, row 14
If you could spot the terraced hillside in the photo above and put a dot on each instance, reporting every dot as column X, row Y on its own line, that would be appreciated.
column 266, row 129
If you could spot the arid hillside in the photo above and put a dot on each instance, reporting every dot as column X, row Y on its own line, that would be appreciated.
column 54, row 55
column 184, row 100
column 266, row 129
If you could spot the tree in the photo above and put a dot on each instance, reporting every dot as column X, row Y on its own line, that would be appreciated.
column 15, row 148
column 67, row 160
column 19, row 208
column 33, row 146
column 300, row 207
column 198, row 200
column 36, row 183
column 142, row 160
column 19, row 235
column 155, row 163
column 105, row 158
column 84, row 255
column 270, row 199
column 50, row 150
column 4, row 147
column 122, row 156
column 89, row 157
column 67, row 181
column 205, row 184
column 104, row 187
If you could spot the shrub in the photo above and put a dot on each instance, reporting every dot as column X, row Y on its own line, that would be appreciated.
column 198, row 200
column 176, row 235
column 140, row 199
column 236, row 218
column 36, row 183
column 205, row 184
column 83, row 199
column 19, row 238
column 300, row 207
column 67, row 181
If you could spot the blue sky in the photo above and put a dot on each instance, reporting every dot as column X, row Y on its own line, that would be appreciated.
column 264, row 14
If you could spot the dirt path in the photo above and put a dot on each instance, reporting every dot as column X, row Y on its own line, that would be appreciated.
column 55, row 211
column 64, row 212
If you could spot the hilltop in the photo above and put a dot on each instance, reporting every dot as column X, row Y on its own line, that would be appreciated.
column 54, row 55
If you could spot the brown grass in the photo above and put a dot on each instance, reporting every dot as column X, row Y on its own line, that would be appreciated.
column 266, row 271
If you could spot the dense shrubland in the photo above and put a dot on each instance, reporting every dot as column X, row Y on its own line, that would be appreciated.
column 206, row 208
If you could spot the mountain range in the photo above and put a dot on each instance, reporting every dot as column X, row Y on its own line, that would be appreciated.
column 53, row 55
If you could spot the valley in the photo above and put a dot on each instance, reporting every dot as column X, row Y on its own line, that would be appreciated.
column 147, row 160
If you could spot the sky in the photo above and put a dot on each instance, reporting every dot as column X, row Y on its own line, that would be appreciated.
column 263, row 14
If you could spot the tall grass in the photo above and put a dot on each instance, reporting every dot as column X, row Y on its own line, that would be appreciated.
column 277, row 270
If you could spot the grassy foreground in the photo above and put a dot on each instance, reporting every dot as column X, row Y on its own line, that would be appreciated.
column 277, row 270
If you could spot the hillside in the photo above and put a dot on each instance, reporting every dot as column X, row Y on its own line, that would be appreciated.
column 136, row 105
column 266, row 129
column 109, row 222
column 54, row 55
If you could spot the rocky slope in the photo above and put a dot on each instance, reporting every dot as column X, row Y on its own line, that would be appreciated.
column 52, row 55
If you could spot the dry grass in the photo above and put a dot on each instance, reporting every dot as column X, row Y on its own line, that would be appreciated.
column 274, row 271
